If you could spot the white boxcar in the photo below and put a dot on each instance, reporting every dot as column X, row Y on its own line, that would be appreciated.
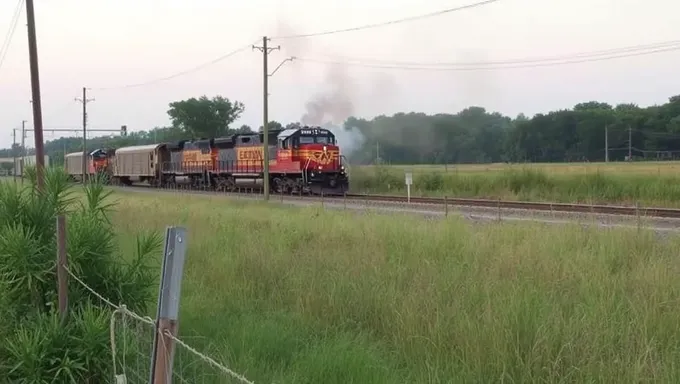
column 28, row 161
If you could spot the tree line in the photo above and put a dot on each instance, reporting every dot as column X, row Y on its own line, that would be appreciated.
column 473, row 135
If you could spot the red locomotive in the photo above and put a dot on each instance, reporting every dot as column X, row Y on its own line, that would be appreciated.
column 302, row 160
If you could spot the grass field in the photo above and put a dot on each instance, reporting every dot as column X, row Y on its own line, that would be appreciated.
column 645, row 183
column 288, row 295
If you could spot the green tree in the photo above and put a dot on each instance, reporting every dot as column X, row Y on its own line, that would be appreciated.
column 204, row 117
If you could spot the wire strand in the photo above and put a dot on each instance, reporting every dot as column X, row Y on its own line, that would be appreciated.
column 206, row 358
column 182, row 73
column 10, row 32
column 490, row 67
column 391, row 22
column 586, row 54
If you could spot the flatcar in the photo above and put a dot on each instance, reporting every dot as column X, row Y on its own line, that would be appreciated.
column 302, row 160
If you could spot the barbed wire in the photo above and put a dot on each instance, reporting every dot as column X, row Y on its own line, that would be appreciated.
column 208, row 359
column 124, row 311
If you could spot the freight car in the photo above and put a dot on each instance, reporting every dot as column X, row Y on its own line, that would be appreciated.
column 96, row 162
column 302, row 160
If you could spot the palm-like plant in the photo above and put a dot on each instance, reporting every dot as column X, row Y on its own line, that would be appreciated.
column 39, row 348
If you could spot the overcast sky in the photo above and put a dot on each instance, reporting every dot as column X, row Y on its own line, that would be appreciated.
column 103, row 43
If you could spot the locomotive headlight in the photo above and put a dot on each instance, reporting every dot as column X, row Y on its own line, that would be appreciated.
column 320, row 167
column 325, row 148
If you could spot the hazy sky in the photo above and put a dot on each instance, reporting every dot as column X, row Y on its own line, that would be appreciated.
column 103, row 43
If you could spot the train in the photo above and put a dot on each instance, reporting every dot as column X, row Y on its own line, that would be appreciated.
column 302, row 160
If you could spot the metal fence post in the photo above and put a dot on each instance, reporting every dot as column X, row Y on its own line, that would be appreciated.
column 167, row 314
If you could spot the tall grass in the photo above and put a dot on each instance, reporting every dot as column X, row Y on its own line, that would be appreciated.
column 527, row 184
column 308, row 296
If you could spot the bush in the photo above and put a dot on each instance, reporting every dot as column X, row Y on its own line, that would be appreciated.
column 38, row 347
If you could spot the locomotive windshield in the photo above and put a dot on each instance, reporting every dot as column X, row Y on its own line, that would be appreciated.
column 325, row 139
column 316, row 136
column 306, row 135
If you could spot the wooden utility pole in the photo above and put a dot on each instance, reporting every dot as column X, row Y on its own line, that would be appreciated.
column 265, row 110
column 35, row 94
column 14, row 154
column 84, row 100
column 167, row 314
column 23, row 148
column 630, row 143
column 62, row 276
column 606, row 143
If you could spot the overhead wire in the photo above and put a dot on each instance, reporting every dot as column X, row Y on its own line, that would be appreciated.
column 10, row 32
column 182, row 73
column 588, row 54
column 481, row 66
column 386, row 23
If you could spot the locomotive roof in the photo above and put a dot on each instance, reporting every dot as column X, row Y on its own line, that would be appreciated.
column 287, row 132
column 76, row 154
column 138, row 148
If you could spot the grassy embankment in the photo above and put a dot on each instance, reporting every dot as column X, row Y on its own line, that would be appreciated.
column 648, row 184
column 290, row 295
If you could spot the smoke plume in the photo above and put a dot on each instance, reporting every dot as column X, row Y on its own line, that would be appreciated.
column 334, row 102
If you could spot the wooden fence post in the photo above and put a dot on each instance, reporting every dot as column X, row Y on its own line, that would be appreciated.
column 62, row 276
column 168, row 305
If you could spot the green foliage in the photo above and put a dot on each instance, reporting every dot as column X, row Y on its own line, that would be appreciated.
column 39, row 348
column 204, row 117
column 473, row 135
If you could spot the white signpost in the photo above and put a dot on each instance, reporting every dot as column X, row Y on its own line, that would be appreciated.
column 409, row 181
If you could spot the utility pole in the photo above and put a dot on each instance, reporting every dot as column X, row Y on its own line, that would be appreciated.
column 630, row 143
column 14, row 154
column 265, row 109
column 35, row 94
column 84, row 100
column 377, row 153
column 606, row 143
column 23, row 148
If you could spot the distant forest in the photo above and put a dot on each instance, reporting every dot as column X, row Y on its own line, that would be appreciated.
column 469, row 136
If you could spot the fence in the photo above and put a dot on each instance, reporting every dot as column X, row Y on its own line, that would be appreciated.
column 143, row 349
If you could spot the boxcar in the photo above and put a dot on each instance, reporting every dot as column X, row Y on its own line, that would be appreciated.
column 139, row 163
column 73, row 163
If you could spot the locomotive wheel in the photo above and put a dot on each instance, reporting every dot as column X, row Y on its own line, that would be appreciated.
column 226, row 184
column 278, row 185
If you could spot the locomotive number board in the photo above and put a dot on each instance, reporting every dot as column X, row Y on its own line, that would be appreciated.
column 315, row 131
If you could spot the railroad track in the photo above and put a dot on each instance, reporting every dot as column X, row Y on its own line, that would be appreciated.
column 530, row 206
column 484, row 203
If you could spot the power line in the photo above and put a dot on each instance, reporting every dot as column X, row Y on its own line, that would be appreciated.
column 182, row 73
column 10, row 33
column 492, row 67
column 586, row 54
column 391, row 22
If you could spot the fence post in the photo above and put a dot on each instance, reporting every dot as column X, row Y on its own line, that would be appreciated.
column 446, row 206
column 498, row 205
column 168, row 305
column 62, row 276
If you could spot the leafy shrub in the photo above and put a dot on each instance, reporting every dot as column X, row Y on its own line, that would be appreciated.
column 38, row 348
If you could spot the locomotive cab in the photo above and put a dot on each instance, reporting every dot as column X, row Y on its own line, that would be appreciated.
column 318, row 155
